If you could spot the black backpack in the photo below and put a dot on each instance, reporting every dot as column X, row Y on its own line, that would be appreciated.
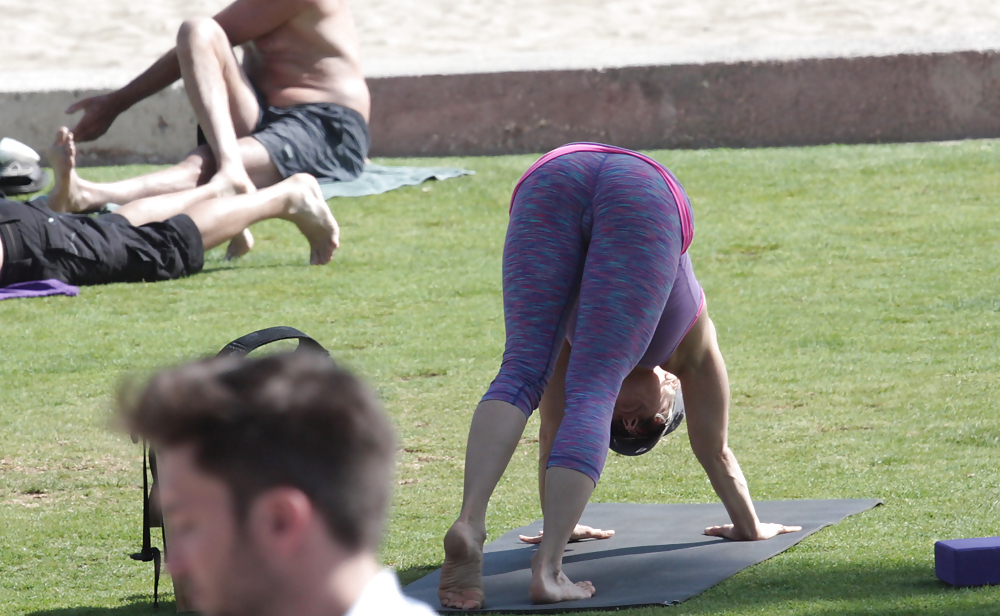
column 153, row 519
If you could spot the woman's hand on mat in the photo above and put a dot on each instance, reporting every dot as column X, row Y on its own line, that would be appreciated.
column 580, row 533
column 764, row 531
column 99, row 112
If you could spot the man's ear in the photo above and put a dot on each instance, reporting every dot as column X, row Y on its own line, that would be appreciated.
column 279, row 521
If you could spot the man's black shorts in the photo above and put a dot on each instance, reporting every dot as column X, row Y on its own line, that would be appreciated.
column 325, row 140
column 82, row 250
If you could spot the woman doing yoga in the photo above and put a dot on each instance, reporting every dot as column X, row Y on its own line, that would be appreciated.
column 599, row 301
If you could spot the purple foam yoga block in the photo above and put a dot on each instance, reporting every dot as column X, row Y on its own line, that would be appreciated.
column 968, row 562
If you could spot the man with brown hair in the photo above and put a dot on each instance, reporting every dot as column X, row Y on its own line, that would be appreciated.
column 274, row 479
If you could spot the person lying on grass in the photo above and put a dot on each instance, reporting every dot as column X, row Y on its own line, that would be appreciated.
column 275, row 477
column 150, row 239
column 298, row 104
column 600, row 299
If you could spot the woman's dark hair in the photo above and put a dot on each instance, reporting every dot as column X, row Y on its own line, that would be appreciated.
column 284, row 420
column 649, row 432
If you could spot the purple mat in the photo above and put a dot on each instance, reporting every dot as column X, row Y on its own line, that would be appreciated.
column 38, row 288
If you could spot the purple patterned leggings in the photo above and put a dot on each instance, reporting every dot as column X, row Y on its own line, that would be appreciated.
column 602, row 230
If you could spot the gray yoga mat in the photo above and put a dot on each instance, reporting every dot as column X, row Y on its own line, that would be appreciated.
column 657, row 556
column 377, row 179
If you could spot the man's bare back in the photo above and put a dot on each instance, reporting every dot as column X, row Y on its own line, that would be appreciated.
column 302, row 51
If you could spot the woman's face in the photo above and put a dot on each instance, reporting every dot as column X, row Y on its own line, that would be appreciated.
column 640, row 401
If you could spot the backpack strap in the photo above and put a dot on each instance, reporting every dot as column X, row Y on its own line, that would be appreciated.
column 150, row 553
column 246, row 344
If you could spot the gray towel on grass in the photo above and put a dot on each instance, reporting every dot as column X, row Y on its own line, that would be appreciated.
column 377, row 179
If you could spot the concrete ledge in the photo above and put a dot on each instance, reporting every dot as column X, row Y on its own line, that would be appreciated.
column 160, row 129
column 780, row 102
column 745, row 104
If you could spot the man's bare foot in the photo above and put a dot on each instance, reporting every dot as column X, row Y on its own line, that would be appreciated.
column 462, row 572
column 310, row 213
column 239, row 245
column 66, row 195
column 233, row 180
column 550, row 585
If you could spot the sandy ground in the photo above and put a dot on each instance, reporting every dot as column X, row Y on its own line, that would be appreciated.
column 129, row 34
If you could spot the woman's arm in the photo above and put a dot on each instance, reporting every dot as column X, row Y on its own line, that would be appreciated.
column 550, row 410
column 705, row 384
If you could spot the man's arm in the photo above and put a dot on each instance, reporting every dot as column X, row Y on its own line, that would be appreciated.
column 242, row 21
column 99, row 112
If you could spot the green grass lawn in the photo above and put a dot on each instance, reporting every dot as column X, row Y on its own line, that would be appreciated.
column 857, row 295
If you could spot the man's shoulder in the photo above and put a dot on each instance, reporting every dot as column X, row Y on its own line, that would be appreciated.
column 415, row 608
column 322, row 6
column 383, row 595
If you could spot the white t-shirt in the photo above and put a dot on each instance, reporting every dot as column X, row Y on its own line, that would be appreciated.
column 382, row 596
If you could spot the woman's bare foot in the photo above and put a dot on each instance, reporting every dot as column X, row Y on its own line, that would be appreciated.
column 550, row 585
column 462, row 572
column 310, row 213
column 66, row 195
column 239, row 245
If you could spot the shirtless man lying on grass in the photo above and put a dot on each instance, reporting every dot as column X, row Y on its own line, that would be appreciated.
column 149, row 239
column 298, row 104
